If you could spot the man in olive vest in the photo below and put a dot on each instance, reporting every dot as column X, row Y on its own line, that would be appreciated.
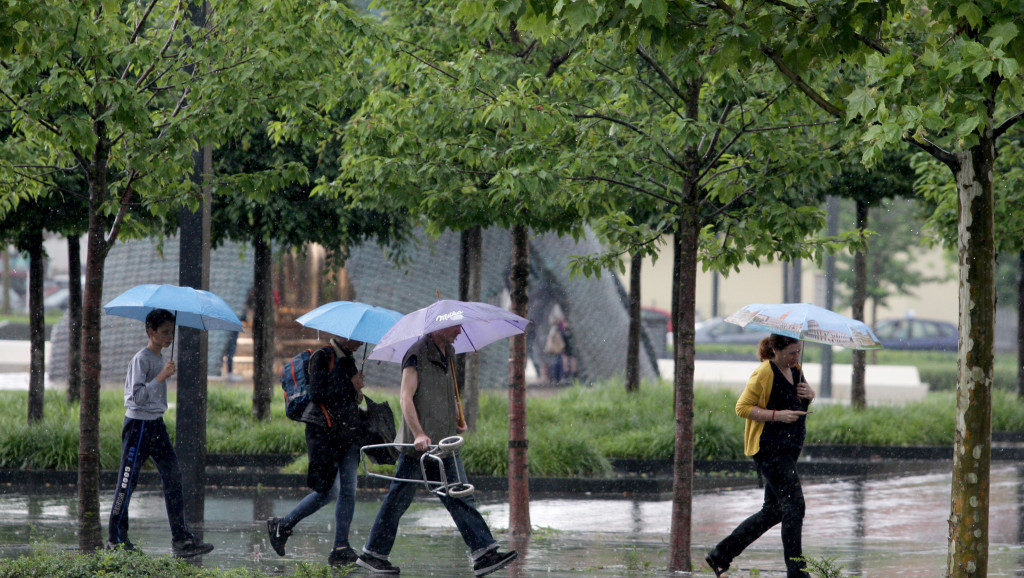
column 430, row 414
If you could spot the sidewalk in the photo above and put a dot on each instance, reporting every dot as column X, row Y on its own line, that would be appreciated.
column 885, row 383
column 877, row 528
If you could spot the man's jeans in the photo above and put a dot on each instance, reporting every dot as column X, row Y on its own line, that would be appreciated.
column 344, row 489
column 471, row 524
column 783, row 502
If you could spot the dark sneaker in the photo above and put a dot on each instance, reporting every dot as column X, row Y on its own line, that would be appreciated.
column 377, row 565
column 127, row 545
column 342, row 557
column 278, row 535
column 190, row 547
column 493, row 561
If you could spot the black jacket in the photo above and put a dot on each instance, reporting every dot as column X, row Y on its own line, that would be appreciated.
column 334, row 402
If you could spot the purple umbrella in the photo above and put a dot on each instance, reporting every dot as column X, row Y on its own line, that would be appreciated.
column 482, row 324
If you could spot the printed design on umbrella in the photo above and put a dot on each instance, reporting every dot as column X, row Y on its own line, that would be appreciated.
column 815, row 332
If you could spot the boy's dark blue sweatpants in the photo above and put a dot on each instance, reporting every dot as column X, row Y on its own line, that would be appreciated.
column 142, row 439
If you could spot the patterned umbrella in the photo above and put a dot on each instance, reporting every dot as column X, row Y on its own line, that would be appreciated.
column 807, row 322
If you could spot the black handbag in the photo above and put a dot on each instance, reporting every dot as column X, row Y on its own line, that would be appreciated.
column 379, row 428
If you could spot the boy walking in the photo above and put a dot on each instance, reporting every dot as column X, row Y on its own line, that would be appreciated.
column 145, row 436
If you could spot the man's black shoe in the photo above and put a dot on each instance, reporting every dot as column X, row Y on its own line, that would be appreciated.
column 278, row 535
column 375, row 564
column 493, row 561
column 342, row 557
column 127, row 545
column 190, row 547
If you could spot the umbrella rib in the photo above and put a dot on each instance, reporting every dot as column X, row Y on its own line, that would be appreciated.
column 470, row 340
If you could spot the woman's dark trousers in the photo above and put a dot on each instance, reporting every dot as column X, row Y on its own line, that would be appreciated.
column 783, row 502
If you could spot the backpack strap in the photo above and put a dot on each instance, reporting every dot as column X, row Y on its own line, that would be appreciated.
column 330, row 369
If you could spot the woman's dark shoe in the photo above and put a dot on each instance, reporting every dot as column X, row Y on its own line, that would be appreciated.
column 717, row 567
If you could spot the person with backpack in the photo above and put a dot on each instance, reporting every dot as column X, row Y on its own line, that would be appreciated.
column 333, row 432
column 144, row 436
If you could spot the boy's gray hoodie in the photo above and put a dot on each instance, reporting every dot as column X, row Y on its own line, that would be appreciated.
column 144, row 396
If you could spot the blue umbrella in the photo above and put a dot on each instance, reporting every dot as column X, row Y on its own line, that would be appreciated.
column 191, row 307
column 481, row 323
column 352, row 320
column 806, row 322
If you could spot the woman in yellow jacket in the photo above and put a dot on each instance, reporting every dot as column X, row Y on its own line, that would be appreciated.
column 774, row 403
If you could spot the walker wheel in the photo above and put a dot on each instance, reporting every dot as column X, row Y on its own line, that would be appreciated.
column 460, row 490
column 449, row 444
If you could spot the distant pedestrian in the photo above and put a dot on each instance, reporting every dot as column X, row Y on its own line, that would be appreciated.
column 144, row 436
column 774, row 403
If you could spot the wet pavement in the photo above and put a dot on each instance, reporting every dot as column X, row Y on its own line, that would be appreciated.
column 892, row 527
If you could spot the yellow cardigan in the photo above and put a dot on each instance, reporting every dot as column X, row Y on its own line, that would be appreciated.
column 755, row 394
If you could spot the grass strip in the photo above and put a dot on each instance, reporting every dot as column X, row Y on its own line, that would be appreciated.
column 572, row 433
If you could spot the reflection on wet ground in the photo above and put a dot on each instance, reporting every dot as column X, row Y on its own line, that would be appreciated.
column 882, row 528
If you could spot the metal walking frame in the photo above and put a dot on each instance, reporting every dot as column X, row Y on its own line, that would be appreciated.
column 447, row 447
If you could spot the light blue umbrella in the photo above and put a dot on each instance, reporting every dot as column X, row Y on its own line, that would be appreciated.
column 807, row 322
column 352, row 320
column 482, row 324
column 191, row 307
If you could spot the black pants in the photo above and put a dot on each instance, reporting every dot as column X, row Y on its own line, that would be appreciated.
column 783, row 502
column 140, row 440
column 326, row 448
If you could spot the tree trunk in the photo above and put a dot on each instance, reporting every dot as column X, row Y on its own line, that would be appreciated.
column 1020, row 325
column 972, row 453
column 518, row 459
column 89, row 535
column 858, row 395
column 633, row 334
column 74, row 315
column 468, row 365
column 262, row 329
column 37, row 328
column 684, row 303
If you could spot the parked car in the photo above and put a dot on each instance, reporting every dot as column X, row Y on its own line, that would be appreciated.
column 716, row 330
column 57, row 300
column 918, row 334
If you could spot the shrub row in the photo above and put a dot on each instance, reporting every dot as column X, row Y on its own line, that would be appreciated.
column 573, row 433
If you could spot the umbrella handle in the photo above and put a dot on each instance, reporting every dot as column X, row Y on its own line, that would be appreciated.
column 458, row 400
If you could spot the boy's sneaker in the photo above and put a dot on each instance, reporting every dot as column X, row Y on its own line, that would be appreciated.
column 493, row 561
column 190, row 547
column 278, row 535
column 342, row 557
column 377, row 565
column 127, row 545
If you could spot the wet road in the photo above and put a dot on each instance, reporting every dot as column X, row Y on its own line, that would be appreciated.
column 894, row 527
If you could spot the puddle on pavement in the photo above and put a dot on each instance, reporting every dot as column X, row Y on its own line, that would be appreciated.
column 893, row 527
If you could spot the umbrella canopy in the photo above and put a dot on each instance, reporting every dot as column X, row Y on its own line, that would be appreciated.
column 482, row 324
column 191, row 307
column 806, row 322
column 351, row 320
